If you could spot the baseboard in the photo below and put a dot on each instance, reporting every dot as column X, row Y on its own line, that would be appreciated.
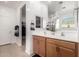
column 5, row 44
column 29, row 54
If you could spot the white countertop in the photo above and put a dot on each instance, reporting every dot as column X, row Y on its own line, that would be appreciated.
column 68, row 36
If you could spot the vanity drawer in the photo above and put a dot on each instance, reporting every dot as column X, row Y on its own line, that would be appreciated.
column 66, row 44
column 52, row 41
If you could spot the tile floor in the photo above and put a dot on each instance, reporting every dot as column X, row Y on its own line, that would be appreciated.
column 12, row 50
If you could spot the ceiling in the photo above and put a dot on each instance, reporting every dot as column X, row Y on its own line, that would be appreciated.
column 12, row 4
column 54, row 6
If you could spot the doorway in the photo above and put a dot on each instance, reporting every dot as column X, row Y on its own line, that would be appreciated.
column 23, row 26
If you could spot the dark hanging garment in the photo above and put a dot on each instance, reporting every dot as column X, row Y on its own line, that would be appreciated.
column 23, row 31
column 17, row 31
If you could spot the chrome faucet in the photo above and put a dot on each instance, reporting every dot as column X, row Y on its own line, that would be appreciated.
column 44, row 33
column 62, row 34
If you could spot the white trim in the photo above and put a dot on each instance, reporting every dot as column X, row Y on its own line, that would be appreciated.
column 28, row 53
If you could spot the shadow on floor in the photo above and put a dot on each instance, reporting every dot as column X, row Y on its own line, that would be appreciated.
column 36, row 55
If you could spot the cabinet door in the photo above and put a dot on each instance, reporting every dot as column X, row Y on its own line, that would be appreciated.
column 35, row 45
column 42, row 46
column 64, row 52
column 51, row 50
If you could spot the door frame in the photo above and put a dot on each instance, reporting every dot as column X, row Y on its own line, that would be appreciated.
column 21, row 22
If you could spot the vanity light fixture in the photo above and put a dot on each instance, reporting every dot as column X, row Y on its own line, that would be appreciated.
column 60, row 2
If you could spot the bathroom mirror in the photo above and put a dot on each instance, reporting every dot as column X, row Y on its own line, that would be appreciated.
column 51, row 24
column 64, row 16
column 69, row 20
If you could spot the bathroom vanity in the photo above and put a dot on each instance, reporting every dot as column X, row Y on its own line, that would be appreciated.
column 60, row 37
column 54, row 47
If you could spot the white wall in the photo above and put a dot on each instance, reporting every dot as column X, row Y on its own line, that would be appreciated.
column 35, row 9
column 18, row 39
column 7, row 23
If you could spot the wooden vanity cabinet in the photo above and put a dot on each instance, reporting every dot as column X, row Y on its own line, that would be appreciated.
column 60, row 48
column 51, row 47
column 64, row 52
column 39, row 45
column 35, row 44
column 51, row 50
